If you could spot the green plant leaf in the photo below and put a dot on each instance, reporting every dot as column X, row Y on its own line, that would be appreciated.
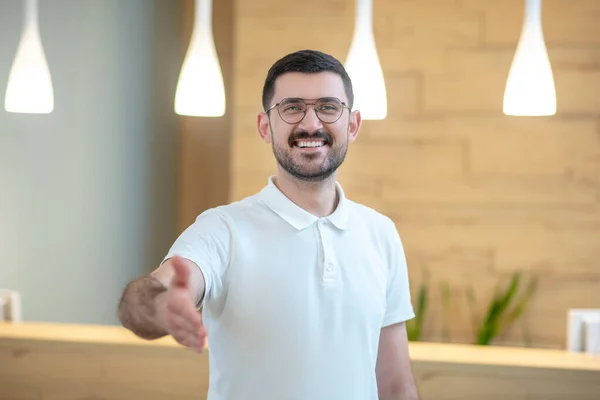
column 472, row 301
column 521, row 304
column 446, row 306
column 491, row 325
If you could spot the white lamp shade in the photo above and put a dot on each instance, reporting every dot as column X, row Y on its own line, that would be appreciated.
column 530, row 89
column 29, row 88
column 364, row 68
column 200, row 89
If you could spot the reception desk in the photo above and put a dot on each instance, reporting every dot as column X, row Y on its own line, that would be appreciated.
column 77, row 362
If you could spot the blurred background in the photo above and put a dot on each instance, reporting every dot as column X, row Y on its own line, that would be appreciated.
column 94, row 193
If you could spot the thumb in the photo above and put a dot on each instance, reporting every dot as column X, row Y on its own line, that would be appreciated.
column 182, row 274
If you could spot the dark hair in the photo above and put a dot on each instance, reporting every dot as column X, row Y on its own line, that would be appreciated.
column 306, row 61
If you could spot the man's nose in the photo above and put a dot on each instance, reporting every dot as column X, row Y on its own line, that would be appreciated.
column 311, row 122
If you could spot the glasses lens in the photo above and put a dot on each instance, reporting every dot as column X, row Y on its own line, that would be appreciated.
column 292, row 110
column 329, row 110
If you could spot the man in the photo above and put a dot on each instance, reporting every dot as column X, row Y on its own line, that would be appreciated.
column 304, row 293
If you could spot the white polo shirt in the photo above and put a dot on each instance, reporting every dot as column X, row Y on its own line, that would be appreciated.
column 295, row 303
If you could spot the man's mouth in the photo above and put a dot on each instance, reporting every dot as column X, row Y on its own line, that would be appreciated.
column 304, row 140
column 309, row 143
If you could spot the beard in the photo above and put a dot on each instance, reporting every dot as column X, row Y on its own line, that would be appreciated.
column 309, row 167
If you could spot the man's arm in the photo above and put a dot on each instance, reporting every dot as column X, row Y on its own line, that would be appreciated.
column 142, row 307
column 395, row 380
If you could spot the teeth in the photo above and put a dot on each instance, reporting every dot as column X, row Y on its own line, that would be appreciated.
column 310, row 144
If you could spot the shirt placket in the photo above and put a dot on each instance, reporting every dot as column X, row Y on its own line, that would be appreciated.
column 328, row 265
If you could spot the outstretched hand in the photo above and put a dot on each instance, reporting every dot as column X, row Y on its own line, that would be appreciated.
column 183, row 321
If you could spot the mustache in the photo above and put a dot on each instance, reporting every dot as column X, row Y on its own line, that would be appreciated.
column 305, row 135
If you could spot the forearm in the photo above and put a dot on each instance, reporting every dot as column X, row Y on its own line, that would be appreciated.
column 399, row 391
column 404, row 395
column 140, row 308
column 395, row 379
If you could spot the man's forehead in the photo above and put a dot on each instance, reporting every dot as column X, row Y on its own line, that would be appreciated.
column 309, row 86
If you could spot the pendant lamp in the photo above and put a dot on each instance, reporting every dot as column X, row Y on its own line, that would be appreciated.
column 200, row 90
column 362, row 64
column 530, row 87
column 29, row 88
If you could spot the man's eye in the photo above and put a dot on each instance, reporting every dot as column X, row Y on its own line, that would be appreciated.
column 328, row 107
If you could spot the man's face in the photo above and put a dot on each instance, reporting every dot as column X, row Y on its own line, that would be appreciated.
column 308, row 147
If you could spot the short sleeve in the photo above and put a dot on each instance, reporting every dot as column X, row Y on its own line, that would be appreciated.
column 399, row 306
column 206, row 242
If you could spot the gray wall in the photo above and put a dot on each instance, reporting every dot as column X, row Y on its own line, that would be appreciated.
column 88, row 193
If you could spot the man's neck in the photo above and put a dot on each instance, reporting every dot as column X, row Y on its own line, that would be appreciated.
column 318, row 198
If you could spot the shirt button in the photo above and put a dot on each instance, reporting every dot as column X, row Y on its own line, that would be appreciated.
column 329, row 267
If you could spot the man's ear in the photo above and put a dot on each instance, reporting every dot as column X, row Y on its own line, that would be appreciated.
column 354, row 125
column 262, row 123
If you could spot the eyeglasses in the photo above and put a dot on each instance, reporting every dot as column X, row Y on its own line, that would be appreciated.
column 293, row 110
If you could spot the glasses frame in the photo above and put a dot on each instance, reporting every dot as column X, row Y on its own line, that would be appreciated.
column 276, row 105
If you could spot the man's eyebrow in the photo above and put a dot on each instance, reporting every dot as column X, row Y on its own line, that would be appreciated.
column 326, row 98
column 288, row 99
column 329, row 98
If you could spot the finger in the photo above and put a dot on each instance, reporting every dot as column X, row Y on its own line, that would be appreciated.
column 179, row 303
column 195, row 338
column 203, row 339
column 178, row 326
column 200, row 347
column 185, row 317
column 194, row 342
column 182, row 323
column 187, row 341
column 182, row 273
column 200, row 341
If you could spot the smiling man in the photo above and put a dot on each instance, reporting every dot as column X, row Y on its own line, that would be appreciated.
column 304, row 293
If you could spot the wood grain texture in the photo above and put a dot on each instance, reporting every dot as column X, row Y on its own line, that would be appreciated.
column 475, row 194
column 83, row 362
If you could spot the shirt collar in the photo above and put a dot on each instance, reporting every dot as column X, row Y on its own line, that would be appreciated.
column 297, row 216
